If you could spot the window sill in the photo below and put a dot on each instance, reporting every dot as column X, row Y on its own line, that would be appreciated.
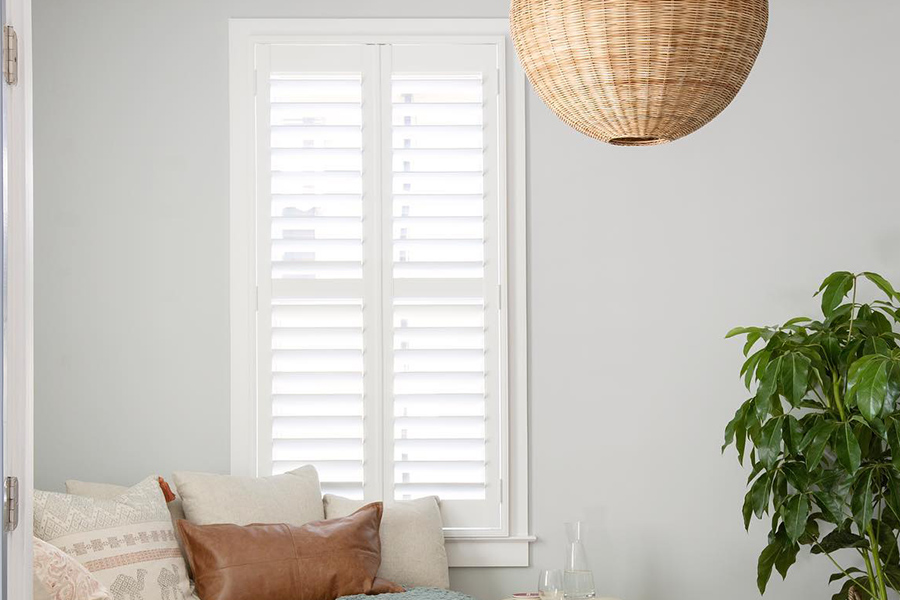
column 489, row 551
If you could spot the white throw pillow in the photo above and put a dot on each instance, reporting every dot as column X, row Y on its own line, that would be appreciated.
column 412, row 540
column 108, row 491
column 294, row 498
column 127, row 543
column 58, row 576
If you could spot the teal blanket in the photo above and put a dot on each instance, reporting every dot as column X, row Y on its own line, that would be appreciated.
column 415, row 594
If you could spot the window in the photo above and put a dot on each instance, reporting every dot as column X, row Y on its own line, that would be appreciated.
column 377, row 303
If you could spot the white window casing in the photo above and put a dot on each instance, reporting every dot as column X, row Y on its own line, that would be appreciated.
column 377, row 254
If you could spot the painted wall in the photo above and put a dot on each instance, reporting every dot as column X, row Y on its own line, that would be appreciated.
column 640, row 260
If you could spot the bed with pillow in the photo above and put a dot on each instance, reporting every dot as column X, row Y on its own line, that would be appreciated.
column 245, row 538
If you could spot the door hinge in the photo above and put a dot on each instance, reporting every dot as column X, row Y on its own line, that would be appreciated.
column 11, row 55
column 11, row 503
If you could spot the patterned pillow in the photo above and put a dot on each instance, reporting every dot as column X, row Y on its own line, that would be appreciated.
column 127, row 543
column 58, row 576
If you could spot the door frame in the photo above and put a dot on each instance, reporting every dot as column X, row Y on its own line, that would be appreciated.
column 19, row 450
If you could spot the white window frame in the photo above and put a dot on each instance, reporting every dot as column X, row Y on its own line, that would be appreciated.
column 511, row 547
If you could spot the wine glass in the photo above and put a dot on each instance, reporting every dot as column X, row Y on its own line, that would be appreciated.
column 550, row 584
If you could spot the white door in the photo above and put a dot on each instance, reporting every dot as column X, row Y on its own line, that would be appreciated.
column 16, row 286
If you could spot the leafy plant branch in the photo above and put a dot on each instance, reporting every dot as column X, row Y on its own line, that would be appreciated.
column 821, row 434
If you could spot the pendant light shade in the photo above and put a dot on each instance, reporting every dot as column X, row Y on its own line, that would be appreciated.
column 637, row 72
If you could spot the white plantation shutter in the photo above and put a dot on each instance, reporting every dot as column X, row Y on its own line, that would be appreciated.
column 380, row 335
column 443, row 280
column 311, row 229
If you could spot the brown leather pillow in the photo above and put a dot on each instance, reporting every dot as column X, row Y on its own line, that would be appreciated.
column 322, row 560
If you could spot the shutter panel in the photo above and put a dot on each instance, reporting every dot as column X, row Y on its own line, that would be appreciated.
column 443, row 384
column 380, row 230
column 315, row 225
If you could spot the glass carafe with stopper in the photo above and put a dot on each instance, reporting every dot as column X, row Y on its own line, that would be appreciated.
column 578, row 578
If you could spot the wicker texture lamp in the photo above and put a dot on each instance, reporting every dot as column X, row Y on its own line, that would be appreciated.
column 638, row 72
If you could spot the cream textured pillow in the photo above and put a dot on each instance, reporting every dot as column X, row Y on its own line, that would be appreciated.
column 108, row 491
column 127, row 543
column 294, row 498
column 412, row 540
column 58, row 576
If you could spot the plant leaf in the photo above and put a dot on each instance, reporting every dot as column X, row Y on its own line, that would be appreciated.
column 770, row 444
column 748, row 370
column 834, row 289
column 759, row 494
column 830, row 505
column 862, row 502
column 741, row 429
column 762, row 406
column 796, row 474
column 747, row 510
column 793, row 434
column 765, row 564
column 883, row 284
column 831, row 279
column 892, row 495
column 795, row 512
column 752, row 338
column 768, row 383
column 847, row 448
column 894, row 443
column 839, row 539
column 868, row 384
column 794, row 377
column 796, row 321
column 739, row 331
column 838, row 576
column 730, row 428
column 814, row 442
column 893, row 385
column 811, row 534
column 786, row 558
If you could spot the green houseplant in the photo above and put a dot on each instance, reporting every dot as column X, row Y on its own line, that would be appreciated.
column 821, row 433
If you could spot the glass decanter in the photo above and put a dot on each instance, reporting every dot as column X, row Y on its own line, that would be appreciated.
column 578, row 580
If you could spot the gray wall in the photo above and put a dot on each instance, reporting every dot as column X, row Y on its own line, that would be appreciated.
column 640, row 260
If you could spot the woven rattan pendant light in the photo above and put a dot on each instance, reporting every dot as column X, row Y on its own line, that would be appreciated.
column 638, row 72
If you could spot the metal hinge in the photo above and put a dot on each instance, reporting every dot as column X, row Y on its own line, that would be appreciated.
column 11, row 52
column 11, row 503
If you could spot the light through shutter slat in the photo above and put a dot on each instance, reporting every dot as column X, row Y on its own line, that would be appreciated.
column 312, row 405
